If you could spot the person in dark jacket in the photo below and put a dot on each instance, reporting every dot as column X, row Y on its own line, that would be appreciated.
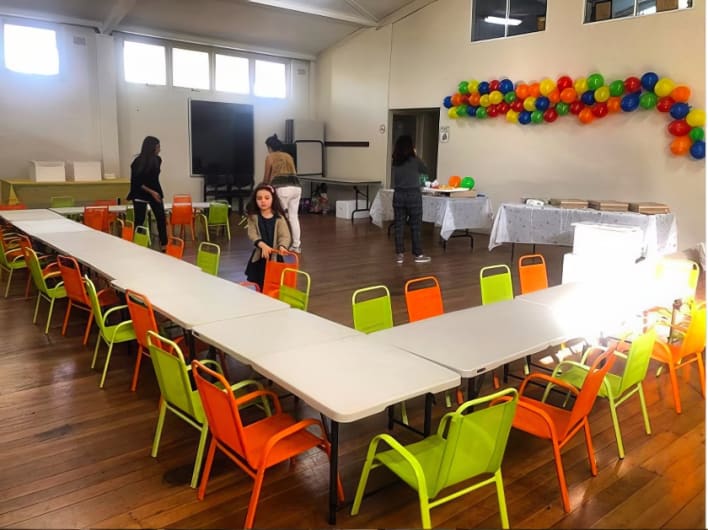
column 407, row 197
column 145, row 186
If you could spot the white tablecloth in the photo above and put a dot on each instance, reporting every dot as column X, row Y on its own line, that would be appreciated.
column 548, row 225
column 449, row 213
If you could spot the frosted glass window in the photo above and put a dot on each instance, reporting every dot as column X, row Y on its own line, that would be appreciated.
column 30, row 50
column 190, row 69
column 270, row 79
column 232, row 74
column 144, row 63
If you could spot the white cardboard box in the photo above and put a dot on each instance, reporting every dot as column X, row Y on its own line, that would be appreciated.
column 44, row 171
column 85, row 171
column 608, row 241
column 344, row 209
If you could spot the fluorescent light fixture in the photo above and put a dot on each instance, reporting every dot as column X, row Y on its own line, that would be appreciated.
column 503, row 21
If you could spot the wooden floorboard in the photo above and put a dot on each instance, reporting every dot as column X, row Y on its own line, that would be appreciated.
column 75, row 456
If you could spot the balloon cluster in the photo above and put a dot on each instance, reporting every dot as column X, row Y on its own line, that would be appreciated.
column 588, row 98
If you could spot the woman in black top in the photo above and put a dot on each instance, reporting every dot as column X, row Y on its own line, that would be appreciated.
column 407, row 197
column 145, row 186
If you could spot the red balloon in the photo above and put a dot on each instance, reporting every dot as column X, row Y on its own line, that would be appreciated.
column 503, row 107
column 632, row 84
column 664, row 104
column 492, row 111
column 494, row 85
column 576, row 106
column 599, row 110
column 679, row 128
column 564, row 82
column 550, row 115
column 517, row 105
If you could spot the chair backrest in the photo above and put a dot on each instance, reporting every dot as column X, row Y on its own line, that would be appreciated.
column 141, row 236
column 475, row 441
column 175, row 247
column 295, row 297
column 208, row 256
column 372, row 314
column 173, row 375
column 73, row 281
column 678, row 278
column 694, row 341
column 181, row 213
column 181, row 197
column 96, row 217
column 585, row 399
column 127, row 230
column 532, row 273
column 112, row 216
column 218, row 213
column 495, row 284
column 35, row 268
column 637, row 363
column 274, row 269
column 18, row 206
column 142, row 315
column 61, row 201
column 423, row 298
column 130, row 214
column 251, row 285
column 95, row 304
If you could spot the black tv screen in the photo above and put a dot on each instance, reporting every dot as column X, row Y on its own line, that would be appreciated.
column 221, row 138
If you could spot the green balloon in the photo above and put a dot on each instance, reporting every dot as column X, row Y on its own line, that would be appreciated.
column 481, row 113
column 467, row 182
column 510, row 97
column 697, row 133
column 617, row 88
column 647, row 100
column 537, row 116
column 595, row 81
column 562, row 108
column 461, row 110
column 463, row 87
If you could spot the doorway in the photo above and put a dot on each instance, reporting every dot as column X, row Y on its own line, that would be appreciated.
column 422, row 125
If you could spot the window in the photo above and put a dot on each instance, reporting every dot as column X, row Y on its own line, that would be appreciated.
column 232, row 74
column 270, row 79
column 31, row 50
column 493, row 19
column 190, row 69
column 144, row 63
column 596, row 10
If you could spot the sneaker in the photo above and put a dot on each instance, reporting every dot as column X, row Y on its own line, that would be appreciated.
column 295, row 249
column 421, row 258
column 399, row 258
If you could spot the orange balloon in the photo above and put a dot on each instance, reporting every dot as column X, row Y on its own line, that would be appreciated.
column 614, row 104
column 534, row 90
column 522, row 91
column 681, row 93
column 454, row 181
column 586, row 116
column 474, row 99
column 568, row 95
column 681, row 145
column 554, row 96
column 456, row 99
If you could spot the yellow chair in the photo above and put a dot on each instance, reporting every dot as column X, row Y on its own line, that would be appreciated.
column 44, row 291
column 373, row 313
column 295, row 297
column 495, row 284
column 208, row 256
column 11, row 259
column 217, row 217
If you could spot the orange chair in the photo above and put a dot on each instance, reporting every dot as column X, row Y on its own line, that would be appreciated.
column 112, row 216
column 182, row 197
column 260, row 444
column 559, row 425
column 175, row 247
column 182, row 214
column 18, row 206
column 423, row 302
column 532, row 273
column 77, row 295
column 96, row 217
column 274, row 270
column 127, row 230
column 251, row 285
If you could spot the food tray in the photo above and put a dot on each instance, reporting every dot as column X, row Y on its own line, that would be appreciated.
column 569, row 203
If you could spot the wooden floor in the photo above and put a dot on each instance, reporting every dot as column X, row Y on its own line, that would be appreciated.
column 74, row 456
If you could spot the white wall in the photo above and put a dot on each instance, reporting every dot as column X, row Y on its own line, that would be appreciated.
column 624, row 157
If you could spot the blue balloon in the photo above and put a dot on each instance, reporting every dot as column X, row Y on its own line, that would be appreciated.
column 472, row 111
column 542, row 103
column 588, row 98
column 524, row 117
column 649, row 80
column 483, row 88
column 447, row 102
column 505, row 85
column 630, row 102
column 679, row 110
column 698, row 149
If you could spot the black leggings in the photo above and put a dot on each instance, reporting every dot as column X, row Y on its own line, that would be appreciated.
column 159, row 210
column 408, row 207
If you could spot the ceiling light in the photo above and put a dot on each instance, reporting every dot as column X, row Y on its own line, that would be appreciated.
column 503, row 21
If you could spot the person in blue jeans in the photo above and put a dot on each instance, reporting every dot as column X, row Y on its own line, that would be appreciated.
column 407, row 198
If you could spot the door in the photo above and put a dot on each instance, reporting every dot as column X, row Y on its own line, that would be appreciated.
column 422, row 125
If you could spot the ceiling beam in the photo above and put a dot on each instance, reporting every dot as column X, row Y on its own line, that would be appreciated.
column 356, row 6
column 118, row 12
column 49, row 17
column 302, row 7
column 405, row 11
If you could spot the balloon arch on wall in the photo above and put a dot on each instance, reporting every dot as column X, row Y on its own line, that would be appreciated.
column 587, row 98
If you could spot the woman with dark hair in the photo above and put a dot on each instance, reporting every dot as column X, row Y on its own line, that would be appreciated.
column 280, row 173
column 407, row 198
column 145, row 186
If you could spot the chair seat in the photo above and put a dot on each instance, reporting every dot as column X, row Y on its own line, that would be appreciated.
column 107, row 297
column 57, row 291
column 258, row 434
column 575, row 376
column 428, row 453
column 120, row 333
column 533, row 424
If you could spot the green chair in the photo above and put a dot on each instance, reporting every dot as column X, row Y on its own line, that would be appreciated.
column 217, row 216
column 61, row 201
column 495, row 284
column 468, row 444
column 11, row 259
column 49, row 293
column 178, row 396
column 111, row 334
column 208, row 255
column 372, row 314
column 141, row 236
column 294, row 297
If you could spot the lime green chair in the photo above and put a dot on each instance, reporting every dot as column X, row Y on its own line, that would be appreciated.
column 61, row 201
column 44, row 291
column 178, row 396
column 468, row 444
column 372, row 314
column 217, row 216
column 495, row 284
column 11, row 259
column 111, row 334
column 208, row 255
column 291, row 295
column 141, row 236
column 615, row 388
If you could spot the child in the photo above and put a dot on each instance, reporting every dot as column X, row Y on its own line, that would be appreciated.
column 268, row 228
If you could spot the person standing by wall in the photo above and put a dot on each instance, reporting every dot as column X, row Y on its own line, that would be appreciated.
column 407, row 198
column 145, row 187
column 280, row 173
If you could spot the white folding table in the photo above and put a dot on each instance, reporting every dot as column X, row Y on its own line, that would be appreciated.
column 11, row 216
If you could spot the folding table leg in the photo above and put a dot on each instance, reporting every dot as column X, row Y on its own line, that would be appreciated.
column 333, row 464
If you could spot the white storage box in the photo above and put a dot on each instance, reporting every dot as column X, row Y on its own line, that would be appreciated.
column 85, row 172
column 344, row 209
column 41, row 171
column 616, row 242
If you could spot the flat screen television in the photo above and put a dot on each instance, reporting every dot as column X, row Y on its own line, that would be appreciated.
column 221, row 139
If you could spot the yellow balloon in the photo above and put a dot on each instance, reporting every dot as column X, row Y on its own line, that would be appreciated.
column 452, row 113
column 472, row 85
column 484, row 100
column 580, row 85
column 547, row 86
column 512, row 116
column 496, row 97
column 530, row 103
column 696, row 118
column 664, row 86
column 602, row 94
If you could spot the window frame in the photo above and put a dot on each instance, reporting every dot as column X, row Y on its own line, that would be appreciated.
column 154, row 42
column 250, row 66
column 473, row 18
column 59, row 35
column 286, row 79
column 590, row 5
column 211, row 66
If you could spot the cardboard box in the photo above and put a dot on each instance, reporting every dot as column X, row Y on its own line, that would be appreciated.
column 569, row 203
column 42, row 171
column 649, row 208
column 84, row 172
column 609, row 206
column 344, row 209
column 666, row 5
column 603, row 10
